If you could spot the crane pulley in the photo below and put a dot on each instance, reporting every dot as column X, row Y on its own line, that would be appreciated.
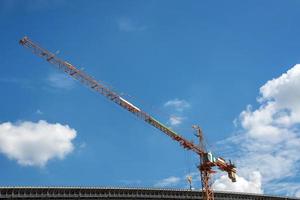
column 207, row 159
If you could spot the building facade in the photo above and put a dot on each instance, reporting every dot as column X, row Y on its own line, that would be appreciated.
column 120, row 193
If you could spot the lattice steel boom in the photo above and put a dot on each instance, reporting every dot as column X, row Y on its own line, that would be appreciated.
column 207, row 159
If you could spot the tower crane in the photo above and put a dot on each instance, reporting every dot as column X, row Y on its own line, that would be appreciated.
column 208, row 161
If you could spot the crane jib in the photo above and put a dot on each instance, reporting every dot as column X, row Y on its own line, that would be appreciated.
column 205, row 168
column 95, row 85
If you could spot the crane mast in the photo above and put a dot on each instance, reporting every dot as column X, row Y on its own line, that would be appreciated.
column 207, row 159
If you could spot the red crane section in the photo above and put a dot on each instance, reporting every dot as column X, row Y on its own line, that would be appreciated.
column 111, row 95
column 207, row 159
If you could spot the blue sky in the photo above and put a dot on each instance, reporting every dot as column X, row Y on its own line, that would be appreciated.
column 211, row 57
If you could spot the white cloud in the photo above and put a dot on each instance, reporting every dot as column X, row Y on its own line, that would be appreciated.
column 24, row 83
column 175, row 120
column 288, row 188
column 128, row 25
column 39, row 112
column 253, row 185
column 82, row 145
column 180, row 181
column 297, row 194
column 60, row 81
column 10, row 80
column 34, row 144
column 170, row 181
column 269, row 141
column 177, row 104
column 130, row 182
